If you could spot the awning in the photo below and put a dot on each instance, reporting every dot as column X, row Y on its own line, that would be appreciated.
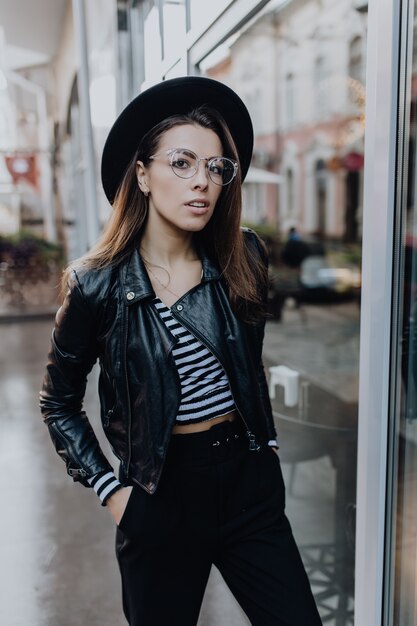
column 256, row 175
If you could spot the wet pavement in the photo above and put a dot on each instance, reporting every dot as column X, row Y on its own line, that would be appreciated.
column 57, row 543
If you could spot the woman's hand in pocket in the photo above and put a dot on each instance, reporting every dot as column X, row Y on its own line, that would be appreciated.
column 117, row 503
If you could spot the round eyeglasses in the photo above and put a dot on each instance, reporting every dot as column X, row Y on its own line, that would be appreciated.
column 184, row 163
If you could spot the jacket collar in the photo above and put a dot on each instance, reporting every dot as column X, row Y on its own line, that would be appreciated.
column 135, row 280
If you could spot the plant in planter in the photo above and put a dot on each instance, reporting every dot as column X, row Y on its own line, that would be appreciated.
column 28, row 264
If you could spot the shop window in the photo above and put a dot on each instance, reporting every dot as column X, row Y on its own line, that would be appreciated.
column 306, row 148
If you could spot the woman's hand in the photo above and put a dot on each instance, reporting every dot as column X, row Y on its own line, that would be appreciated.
column 117, row 503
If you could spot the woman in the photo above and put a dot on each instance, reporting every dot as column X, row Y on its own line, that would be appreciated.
column 172, row 303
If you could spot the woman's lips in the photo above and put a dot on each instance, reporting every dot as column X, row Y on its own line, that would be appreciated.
column 198, row 210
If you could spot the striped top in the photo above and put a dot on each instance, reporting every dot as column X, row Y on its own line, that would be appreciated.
column 205, row 389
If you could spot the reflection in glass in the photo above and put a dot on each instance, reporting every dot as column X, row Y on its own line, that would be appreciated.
column 304, row 87
column 402, row 535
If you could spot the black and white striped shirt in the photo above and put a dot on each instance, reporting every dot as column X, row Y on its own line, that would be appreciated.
column 205, row 390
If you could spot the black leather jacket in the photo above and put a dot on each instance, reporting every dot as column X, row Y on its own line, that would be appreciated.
column 107, row 314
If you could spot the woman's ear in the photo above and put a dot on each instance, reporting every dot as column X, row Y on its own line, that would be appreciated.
column 142, row 178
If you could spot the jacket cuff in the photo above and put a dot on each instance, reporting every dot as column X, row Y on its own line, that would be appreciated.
column 273, row 444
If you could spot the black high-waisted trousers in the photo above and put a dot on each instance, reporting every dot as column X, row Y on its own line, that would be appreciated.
column 217, row 502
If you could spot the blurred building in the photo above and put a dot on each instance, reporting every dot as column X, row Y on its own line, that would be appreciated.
column 298, row 67
column 26, row 83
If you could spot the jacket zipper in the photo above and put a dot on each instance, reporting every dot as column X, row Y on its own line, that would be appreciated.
column 179, row 395
column 70, row 451
column 129, row 412
column 170, row 357
column 253, row 444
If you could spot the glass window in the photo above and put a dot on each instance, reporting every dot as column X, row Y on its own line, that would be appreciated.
column 402, row 517
column 290, row 99
column 319, row 86
column 304, row 195
column 320, row 173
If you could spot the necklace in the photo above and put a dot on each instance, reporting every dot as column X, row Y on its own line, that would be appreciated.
column 148, row 264
column 161, row 283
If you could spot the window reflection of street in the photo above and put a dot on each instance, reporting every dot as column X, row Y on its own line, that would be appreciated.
column 300, row 67
column 317, row 439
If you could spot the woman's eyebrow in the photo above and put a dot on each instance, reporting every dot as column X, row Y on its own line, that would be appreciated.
column 190, row 152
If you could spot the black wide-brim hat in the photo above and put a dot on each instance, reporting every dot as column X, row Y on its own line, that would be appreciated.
column 171, row 97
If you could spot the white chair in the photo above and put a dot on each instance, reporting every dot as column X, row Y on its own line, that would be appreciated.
column 287, row 378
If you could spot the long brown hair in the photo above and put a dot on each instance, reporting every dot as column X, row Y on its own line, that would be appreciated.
column 243, row 271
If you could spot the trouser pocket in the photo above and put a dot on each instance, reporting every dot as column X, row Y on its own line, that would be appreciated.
column 132, row 518
column 271, row 479
column 152, row 518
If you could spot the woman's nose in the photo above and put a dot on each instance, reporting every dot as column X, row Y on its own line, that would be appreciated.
column 201, row 177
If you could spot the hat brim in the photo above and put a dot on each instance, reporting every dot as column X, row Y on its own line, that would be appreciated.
column 171, row 97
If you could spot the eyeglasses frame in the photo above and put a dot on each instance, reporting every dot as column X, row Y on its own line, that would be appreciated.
column 171, row 151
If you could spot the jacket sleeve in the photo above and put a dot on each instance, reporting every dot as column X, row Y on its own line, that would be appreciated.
column 72, row 355
column 262, row 382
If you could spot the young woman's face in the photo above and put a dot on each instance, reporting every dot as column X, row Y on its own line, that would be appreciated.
column 183, row 203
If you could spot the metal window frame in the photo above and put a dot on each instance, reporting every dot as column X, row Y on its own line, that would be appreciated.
column 198, row 44
column 234, row 17
column 376, row 315
column 406, row 49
